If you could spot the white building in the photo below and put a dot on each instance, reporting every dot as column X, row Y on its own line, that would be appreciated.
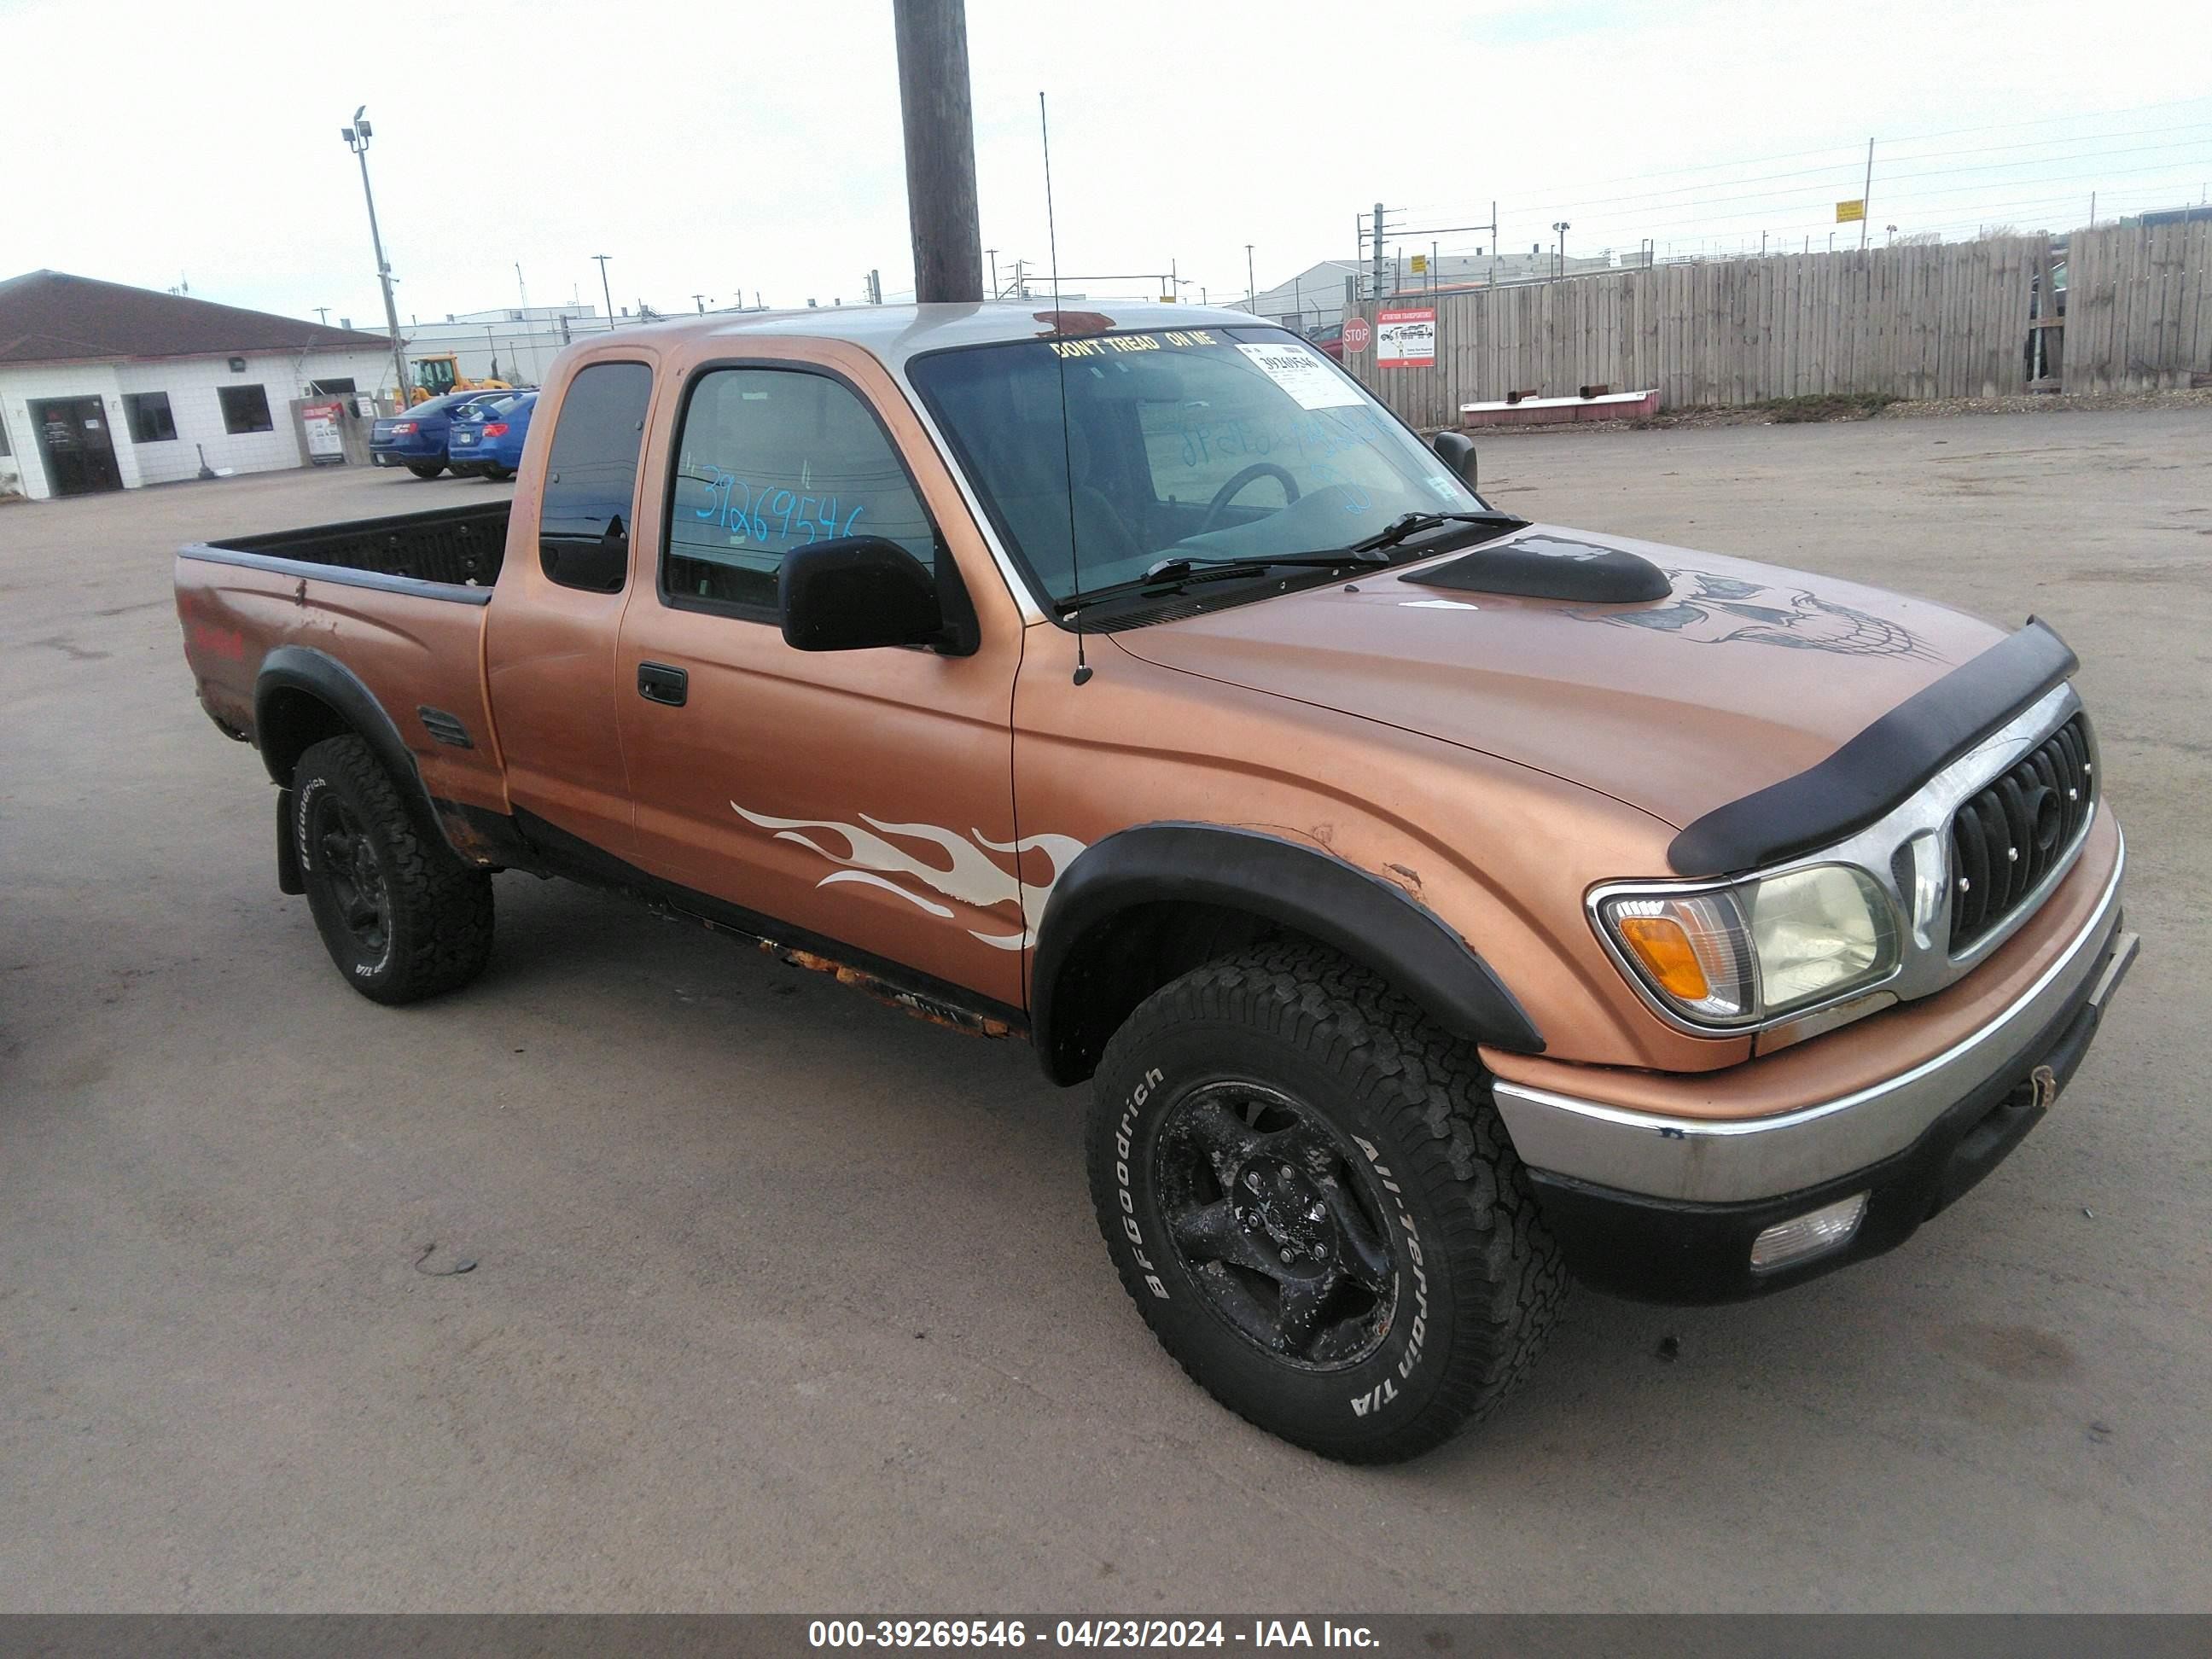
column 1313, row 301
column 104, row 386
column 512, row 344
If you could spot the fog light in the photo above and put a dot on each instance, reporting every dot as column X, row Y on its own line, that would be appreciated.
column 1813, row 1233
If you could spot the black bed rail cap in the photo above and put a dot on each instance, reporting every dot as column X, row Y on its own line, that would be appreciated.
column 1877, row 771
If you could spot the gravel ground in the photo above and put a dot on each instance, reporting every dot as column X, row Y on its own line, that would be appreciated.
column 2101, row 402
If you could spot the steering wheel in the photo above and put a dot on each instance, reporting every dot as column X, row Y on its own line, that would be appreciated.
column 1235, row 486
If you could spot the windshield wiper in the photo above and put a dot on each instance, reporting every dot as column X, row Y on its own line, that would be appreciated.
column 1260, row 562
column 1171, row 575
column 1413, row 524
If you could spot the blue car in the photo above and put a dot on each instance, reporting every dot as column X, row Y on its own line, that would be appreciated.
column 416, row 439
column 487, row 436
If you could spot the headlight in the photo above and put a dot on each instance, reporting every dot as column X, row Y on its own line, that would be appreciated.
column 1740, row 955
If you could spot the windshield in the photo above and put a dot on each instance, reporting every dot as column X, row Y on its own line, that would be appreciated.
column 1205, row 444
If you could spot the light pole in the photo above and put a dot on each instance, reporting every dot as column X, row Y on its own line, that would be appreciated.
column 1893, row 235
column 357, row 138
column 1251, row 288
column 1563, row 228
column 604, row 289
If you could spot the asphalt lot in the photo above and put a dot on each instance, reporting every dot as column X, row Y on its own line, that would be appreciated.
column 786, row 1301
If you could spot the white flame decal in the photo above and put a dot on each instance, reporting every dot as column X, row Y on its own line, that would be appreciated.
column 973, row 878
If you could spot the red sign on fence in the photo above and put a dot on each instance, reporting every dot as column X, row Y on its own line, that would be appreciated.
column 1356, row 334
column 1406, row 339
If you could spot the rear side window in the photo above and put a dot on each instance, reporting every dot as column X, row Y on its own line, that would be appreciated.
column 590, row 477
column 770, row 459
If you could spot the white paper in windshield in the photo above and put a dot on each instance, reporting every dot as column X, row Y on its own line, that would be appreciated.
column 1307, row 378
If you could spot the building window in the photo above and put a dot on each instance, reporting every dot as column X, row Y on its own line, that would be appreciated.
column 5, row 450
column 151, row 420
column 245, row 409
column 324, row 388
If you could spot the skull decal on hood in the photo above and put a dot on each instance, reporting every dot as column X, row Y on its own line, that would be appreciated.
column 1720, row 610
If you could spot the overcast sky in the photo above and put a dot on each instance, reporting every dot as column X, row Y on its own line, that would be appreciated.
column 709, row 146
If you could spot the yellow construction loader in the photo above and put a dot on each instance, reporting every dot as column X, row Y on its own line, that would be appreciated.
column 439, row 374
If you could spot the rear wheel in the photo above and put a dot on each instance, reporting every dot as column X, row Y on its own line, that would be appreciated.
column 499, row 474
column 402, row 917
column 430, row 470
column 1306, row 1190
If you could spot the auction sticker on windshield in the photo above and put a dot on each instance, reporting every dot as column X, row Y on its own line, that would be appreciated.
column 1307, row 378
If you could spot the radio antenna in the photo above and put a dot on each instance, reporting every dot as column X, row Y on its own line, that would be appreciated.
column 1066, row 451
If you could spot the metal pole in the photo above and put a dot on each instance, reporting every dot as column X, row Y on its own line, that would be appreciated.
column 1866, row 196
column 993, row 252
column 1251, row 290
column 359, row 142
column 604, row 288
column 1376, row 229
column 941, row 150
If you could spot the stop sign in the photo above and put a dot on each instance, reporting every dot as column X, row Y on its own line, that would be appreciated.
column 1356, row 334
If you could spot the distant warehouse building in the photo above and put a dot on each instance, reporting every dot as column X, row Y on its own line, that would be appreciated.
column 104, row 386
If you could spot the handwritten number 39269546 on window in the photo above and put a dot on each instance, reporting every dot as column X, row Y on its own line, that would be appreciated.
column 773, row 516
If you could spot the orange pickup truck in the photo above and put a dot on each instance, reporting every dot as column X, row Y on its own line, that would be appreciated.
column 1440, row 905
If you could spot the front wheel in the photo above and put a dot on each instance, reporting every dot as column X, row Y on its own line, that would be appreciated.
column 402, row 917
column 429, row 470
column 1306, row 1190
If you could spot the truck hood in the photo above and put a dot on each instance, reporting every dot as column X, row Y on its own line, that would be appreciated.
column 1743, row 675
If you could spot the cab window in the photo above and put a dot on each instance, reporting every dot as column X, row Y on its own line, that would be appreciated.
column 591, row 477
column 770, row 459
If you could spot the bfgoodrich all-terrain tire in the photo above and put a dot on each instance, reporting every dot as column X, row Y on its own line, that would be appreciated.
column 1306, row 1190
column 403, row 918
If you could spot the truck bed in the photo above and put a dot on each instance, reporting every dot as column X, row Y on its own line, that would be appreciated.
column 457, row 546
column 388, row 610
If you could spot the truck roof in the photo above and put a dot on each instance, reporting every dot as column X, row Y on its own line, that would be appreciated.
column 898, row 333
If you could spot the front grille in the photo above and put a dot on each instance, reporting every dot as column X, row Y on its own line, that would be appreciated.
column 2007, row 839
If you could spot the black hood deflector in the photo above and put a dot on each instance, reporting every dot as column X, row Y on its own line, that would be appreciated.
column 1546, row 566
column 1878, row 769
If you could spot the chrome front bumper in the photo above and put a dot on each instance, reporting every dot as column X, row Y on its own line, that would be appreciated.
column 1707, row 1161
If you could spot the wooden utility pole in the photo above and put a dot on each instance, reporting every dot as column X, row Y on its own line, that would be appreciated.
column 941, row 150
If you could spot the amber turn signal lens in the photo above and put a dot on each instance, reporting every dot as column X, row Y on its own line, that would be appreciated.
column 1665, row 951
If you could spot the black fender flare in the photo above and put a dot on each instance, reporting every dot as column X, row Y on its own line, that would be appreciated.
column 1283, row 882
column 330, row 682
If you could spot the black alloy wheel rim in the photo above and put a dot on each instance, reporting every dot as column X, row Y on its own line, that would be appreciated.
column 352, row 874
column 1276, row 1219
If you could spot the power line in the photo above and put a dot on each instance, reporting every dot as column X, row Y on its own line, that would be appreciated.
column 1845, row 150
column 1883, row 175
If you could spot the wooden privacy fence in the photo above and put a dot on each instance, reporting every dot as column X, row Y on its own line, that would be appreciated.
column 2138, row 311
column 1946, row 321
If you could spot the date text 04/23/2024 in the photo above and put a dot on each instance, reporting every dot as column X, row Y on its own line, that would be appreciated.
column 1125, row 1633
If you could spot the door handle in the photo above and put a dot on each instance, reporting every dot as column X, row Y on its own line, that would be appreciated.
column 658, row 683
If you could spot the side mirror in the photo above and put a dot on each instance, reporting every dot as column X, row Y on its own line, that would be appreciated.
column 1456, row 450
column 857, row 592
